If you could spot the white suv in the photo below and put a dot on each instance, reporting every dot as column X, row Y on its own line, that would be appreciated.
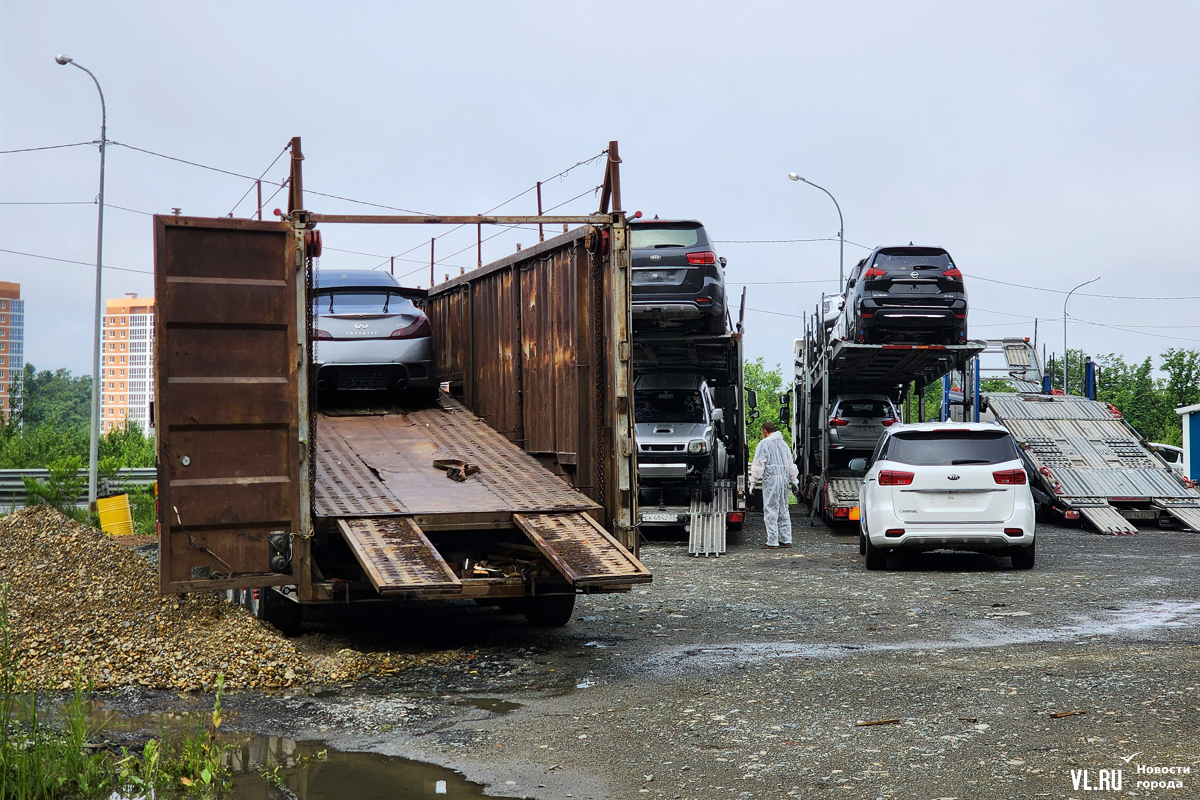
column 945, row 485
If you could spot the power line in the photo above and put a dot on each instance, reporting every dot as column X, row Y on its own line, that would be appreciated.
column 777, row 283
column 49, row 203
column 50, row 147
column 1077, row 294
column 775, row 313
column 70, row 261
column 182, row 161
column 286, row 147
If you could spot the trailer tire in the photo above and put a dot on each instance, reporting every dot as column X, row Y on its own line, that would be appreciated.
column 1022, row 557
column 875, row 558
column 275, row 609
column 549, row 611
column 708, row 477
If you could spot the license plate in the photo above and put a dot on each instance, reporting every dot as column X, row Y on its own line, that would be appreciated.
column 660, row 518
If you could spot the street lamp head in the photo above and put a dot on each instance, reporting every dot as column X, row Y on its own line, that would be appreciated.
column 791, row 175
column 63, row 59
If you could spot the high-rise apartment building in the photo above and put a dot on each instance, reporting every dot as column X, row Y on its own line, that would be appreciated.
column 12, row 343
column 127, row 366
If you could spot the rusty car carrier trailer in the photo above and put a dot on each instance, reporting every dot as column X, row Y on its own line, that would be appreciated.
column 284, row 504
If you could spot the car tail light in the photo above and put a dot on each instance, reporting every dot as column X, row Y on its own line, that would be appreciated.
column 874, row 272
column 735, row 516
column 706, row 257
column 414, row 331
column 320, row 334
column 887, row 423
column 960, row 316
column 838, row 422
column 892, row 477
column 894, row 532
column 1010, row 477
column 703, row 301
column 954, row 273
column 1013, row 532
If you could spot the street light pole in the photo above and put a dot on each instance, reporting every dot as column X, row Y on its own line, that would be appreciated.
column 94, row 446
column 1066, row 358
column 841, row 229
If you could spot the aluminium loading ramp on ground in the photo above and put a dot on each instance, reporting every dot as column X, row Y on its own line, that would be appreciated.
column 707, row 522
column 376, row 477
column 1085, row 456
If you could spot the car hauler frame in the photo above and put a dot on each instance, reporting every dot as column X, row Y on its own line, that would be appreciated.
column 258, row 488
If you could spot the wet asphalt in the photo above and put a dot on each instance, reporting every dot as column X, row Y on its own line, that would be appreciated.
column 752, row 675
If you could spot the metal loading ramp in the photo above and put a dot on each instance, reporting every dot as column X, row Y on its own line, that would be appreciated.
column 874, row 367
column 706, row 521
column 1088, row 459
column 586, row 554
column 397, row 557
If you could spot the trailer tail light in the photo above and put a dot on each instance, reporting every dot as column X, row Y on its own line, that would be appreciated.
column 1070, row 515
column 706, row 257
column 954, row 273
column 414, row 331
column 1010, row 477
column 320, row 334
column 887, row 423
column 735, row 516
column 894, row 533
column 841, row 513
column 874, row 272
column 838, row 422
column 1013, row 532
column 893, row 477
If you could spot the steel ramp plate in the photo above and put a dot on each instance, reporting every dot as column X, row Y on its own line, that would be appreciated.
column 397, row 557
column 706, row 521
column 1188, row 515
column 1107, row 520
column 581, row 550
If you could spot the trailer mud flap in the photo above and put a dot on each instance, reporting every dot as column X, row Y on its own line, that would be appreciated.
column 585, row 553
column 397, row 557
column 1108, row 521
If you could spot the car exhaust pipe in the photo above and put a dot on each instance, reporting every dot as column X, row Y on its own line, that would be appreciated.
column 322, row 385
column 401, row 384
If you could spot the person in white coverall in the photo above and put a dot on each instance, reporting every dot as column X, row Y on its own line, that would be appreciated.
column 773, row 464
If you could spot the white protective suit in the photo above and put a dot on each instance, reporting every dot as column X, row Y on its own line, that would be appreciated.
column 774, row 465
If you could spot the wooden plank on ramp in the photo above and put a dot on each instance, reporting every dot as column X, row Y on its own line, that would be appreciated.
column 397, row 557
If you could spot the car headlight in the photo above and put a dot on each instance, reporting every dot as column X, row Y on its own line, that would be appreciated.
column 697, row 446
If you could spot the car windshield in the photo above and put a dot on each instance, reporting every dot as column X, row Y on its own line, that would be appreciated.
column 649, row 236
column 950, row 447
column 668, row 405
column 350, row 301
column 864, row 408
column 912, row 258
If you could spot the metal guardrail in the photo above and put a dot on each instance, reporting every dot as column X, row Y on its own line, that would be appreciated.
column 12, row 488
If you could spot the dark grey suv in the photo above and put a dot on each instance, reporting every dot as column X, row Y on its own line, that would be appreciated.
column 678, row 279
column 913, row 294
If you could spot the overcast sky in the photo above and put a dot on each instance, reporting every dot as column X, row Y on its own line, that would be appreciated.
column 1042, row 144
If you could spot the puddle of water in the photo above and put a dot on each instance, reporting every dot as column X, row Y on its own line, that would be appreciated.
column 493, row 704
column 1138, row 618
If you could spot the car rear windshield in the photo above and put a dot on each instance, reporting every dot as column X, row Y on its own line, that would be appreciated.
column 950, row 447
column 667, row 235
column 670, row 405
column 360, row 302
column 864, row 408
column 907, row 259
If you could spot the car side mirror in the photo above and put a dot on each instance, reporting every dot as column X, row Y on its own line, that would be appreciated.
column 850, row 283
column 718, row 415
column 751, row 398
column 754, row 413
column 858, row 464
column 723, row 262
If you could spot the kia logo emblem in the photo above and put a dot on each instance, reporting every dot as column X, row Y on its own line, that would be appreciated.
column 952, row 477
column 656, row 258
column 361, row 324
column 915, row 275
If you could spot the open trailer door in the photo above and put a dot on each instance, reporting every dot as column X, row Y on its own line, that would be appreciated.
column 230, row 407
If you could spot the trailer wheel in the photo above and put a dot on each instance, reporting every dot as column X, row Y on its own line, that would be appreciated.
column 1022, row 557
column 549, row 611
column 876, row 559
column 275, row 609
column 707, row 480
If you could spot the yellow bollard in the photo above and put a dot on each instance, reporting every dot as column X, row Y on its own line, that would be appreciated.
column 115, row 516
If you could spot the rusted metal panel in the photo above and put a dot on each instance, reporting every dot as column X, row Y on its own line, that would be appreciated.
column 585, row 553
column 397, row 557
column 227, row 399
column 540, row 342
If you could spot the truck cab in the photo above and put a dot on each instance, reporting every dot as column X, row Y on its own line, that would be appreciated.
column 680, row 433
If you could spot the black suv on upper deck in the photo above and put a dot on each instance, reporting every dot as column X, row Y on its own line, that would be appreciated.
column 913, row 294
column 678, row 281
